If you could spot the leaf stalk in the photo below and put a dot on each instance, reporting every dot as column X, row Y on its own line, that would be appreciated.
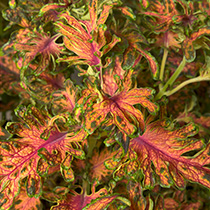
column 172, row 79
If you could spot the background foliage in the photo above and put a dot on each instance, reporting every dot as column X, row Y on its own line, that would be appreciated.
column 105, row 104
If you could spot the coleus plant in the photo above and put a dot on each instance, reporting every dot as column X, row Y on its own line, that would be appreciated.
column 105, row 105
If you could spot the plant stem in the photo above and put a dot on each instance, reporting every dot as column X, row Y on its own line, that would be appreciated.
column 85, row 186
column 172, row 79
column 196, row 79
column 162, row 68
column 101, row 74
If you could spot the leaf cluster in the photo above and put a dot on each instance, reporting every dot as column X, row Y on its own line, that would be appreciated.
column 104, row 104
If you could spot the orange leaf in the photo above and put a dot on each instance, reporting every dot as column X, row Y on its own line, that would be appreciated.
column 127, row 11
column 78, row 40
column 81, row 41
column 135, row 196
column 29, row 156
column 151, row 59
column 24, row 202
column 78, row 201
column 163, row 14
column 165, row 149
column 98, row 170
column 120, row 105
column 101, row 203
column 64, row 100
column 188, row 43
column 34, row 43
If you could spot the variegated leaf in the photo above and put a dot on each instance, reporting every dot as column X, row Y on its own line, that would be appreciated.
column 153, row 65
column 163, row 14
column 177, row 199
column 9, row 75
column 24, row 202
column 128, row 12
column 40, row 145
column 120, row 106
column 165, row 151
column 105, row 201
column 136, row 198
column 98, row 170
column 78, row 201
column 42, row 87
column 188, row 45
column 36, row 43
column 78, row 40
column 64, row 100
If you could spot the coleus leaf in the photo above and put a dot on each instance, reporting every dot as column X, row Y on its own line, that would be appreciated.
column 180, row 199
column 41, row 87
column 113, row 68
column 125, row 164
column 81, row 41
column 94, row 11
column 47, row 8
column 53, row 194
column 204, row 7
column 37, row 43
column 78, row 40
column 12, row 4
column 188, row 45
column 135, row 196
column 145, row 3
column 128, row 12
column 201, row 121
column 23, row 13
column 190, row 69
column 187, row 18
column 169, row 39
column 24, row 202
column 163, row 12
column 121, row 138
column 3, row 134
column 89, row 95
column 134, row 38
column 163, row 149
column 64, row 100
column 98, row 170
column 120, row 106
column 9, row 75
column 107, row 201
column 16, row 16
column 170, row 203
column 151, row 60
column 40, row 145
column 78, row 201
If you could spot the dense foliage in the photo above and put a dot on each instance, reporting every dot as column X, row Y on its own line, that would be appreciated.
column 105, row 104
